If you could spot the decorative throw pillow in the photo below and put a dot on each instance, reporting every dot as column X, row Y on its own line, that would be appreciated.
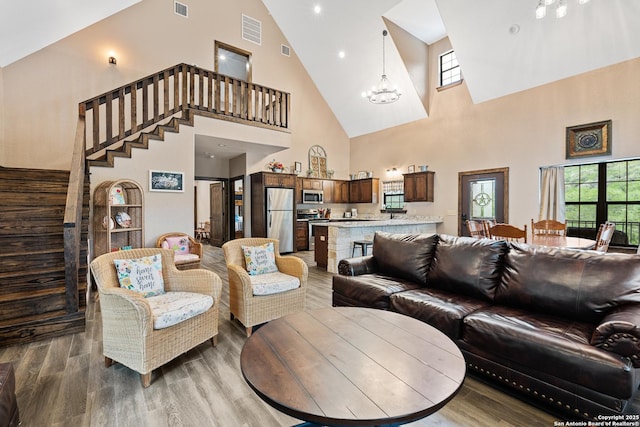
column 260, row 259
column 143, row 275
column 180, row 244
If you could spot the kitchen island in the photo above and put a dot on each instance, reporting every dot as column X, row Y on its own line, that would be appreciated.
column 334, row 240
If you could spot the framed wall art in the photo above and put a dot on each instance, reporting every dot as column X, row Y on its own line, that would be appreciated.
column 166, row 181
column 593, row 139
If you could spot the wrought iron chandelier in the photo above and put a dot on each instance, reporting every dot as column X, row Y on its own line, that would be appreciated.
column 384, row 93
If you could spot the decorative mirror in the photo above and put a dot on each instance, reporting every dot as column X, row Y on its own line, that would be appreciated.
column 317, row 162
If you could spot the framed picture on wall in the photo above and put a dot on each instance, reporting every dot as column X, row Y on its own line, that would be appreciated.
column 593, row 139
column 297, row 167
column 166, row 181
column 411, row 169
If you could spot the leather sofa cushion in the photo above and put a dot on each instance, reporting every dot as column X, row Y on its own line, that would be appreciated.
column 369, row 290
column 467, row 266
column 404, row 255
column 551, row 345
column 441, row 309
column 580, row 285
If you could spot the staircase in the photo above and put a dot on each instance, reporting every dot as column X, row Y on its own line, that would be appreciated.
column 44, row 214
column 34, row 300
column 107, row 158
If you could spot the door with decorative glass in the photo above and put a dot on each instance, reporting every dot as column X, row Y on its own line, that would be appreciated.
column 482, row 196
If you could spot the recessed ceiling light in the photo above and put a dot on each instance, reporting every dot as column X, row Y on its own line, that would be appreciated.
column 514, row 29
column 341, row 54
column 317, row 9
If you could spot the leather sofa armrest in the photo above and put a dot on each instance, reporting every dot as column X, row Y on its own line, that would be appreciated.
column 357, row 266
column 619, row 332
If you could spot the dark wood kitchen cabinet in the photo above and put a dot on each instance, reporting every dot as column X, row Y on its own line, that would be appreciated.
column 364, row 190
column 260, row 181
column 341, row 192
column 302, row 235
column 418, row 186
column 321, row 235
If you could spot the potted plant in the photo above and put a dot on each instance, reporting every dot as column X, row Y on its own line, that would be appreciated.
column 276, row 167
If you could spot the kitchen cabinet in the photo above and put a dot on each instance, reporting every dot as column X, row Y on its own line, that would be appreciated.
column 418, row 186
column 340, row 191
column 364, row 190
column 302, row 235
column 321, row 234
column 299, row 190
column 327, row 191
column 260, row 181
column 118, row 216
column 283, row 180
column 311, row 184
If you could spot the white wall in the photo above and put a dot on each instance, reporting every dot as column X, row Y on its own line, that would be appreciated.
column 523, row 132
column 163, row 212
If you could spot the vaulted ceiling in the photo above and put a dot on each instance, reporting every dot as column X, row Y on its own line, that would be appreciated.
column 501, row 47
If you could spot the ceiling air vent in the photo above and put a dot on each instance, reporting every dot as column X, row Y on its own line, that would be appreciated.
column 285, row 50
column 251, row 29
column 181, row 9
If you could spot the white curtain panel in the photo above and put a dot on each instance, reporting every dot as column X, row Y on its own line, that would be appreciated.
column 552, row 193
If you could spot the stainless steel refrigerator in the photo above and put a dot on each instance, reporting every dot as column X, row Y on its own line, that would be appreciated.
column 280, row 217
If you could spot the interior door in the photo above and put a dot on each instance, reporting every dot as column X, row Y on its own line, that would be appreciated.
column 482, row 194
column 218, row 213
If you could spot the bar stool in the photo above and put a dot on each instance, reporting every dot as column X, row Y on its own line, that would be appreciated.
column 363, row 245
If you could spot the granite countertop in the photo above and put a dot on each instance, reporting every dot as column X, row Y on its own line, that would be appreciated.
column 379, row 222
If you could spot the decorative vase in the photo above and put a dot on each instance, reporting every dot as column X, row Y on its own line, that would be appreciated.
column 277, row 170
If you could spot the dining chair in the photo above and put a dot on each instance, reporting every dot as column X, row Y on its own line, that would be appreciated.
column 548, row 227
column 476, row 229
column 488, row 223
column 603, row 238
column 508, row 232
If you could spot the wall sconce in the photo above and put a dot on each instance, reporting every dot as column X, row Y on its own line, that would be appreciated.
column 112, row 59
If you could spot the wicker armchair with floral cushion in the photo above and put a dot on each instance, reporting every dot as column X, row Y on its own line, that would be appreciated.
column 259, row 298
column 144, row 330
column 188, row 250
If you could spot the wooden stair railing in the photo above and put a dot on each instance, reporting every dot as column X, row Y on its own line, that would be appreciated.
column 120, row 113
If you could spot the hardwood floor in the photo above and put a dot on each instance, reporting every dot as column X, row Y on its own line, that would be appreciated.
column 63, row 381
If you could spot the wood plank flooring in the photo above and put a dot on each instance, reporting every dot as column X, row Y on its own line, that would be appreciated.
column 63, row 381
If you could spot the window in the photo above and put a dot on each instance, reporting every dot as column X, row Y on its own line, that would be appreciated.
column 449, row 69
column 232, row 61
column 599, row 192
column 393, row 194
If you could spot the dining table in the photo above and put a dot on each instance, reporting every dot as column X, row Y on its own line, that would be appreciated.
column 557, row 241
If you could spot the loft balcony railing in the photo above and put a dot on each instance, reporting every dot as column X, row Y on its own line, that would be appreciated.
column 120, row 113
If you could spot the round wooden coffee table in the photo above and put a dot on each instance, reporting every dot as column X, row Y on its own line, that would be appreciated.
column 344, row 366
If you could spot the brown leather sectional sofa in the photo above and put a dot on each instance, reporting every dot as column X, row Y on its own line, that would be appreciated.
column 559, row 326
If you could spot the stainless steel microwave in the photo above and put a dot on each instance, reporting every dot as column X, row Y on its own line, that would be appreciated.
column 312, row 196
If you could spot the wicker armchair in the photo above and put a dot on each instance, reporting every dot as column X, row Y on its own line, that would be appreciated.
column 128, row 335
column 184, row 262
column 253, row 310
